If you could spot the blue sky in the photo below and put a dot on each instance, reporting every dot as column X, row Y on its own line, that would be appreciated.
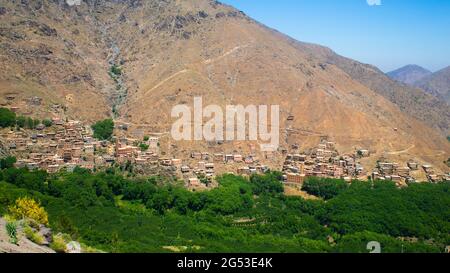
column 390, row 35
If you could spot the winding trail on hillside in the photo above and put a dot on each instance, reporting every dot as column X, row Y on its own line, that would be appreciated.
column 206, row 62
column 168, row 79
column 229, row 52
column 403, row 151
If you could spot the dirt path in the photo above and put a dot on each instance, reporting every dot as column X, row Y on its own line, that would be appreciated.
column 207, row 62
column 229, row 52
column 168, row 79
column 402, row 152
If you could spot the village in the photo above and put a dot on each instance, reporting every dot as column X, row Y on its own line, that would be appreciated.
column 325, row 161
column 68, row 144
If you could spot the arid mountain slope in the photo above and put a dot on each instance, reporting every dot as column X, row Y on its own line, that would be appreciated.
column 411, row 100
column 45, row 52
column 173, row 50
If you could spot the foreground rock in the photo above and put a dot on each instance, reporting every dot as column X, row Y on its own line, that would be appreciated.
column 24, row 245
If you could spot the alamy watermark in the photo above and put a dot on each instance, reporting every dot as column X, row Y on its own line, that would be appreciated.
column 237, row 122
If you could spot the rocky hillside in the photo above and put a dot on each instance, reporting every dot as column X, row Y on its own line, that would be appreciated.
column 437, row 84
column 23, row 245
column 409, row 74
column 138, row 59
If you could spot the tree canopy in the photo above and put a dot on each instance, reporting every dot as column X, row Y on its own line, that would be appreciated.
column 7, row 118
column 103, row 130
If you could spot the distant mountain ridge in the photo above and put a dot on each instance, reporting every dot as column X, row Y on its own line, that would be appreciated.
column 409, row 74
column 437, row 84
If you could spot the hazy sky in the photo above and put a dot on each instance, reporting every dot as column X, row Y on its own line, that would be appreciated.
column 385, row 33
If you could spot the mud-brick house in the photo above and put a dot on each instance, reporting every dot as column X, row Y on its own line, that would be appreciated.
column 195, row 183
column 196, row 155
column 218, row 157
column 413, row 166
column 177, row 162
column 295, row 178
column 205, row 156
column 403, row 171
column 249, row 160
column 201, row 165
column 76, row 152
column 244, row 171
column 238, row 158
column 396, row 178
column 229, row 158
column 185, row 169
column 70, row 167
column 427, row 168
column 363, row 153
column 166, row 162
column 89, row 150
column 140, row 161
column 53, row 168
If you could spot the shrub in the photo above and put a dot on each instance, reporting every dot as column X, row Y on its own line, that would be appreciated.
column 115, row 71
column 11, row 230
column 58, row 244
column 29, row 208
column 33, row 236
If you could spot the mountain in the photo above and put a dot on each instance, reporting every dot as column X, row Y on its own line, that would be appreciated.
column 409, row 74
column 137, row 59
column 437, row 84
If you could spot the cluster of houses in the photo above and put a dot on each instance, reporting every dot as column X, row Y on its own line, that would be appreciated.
column 201, row 167
column 433, row 176
column 64, row 145
column 68, row 144
column 321, row 161
column 403, row 174
column 128, row 150
column 392, row 171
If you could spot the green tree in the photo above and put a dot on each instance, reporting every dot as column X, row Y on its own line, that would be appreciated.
column 7, row 118
column 29, row 123
column 115, row 70
column 47, row 122
column 7, row 162
column 36, row 122
column 144, row 147
column 103, row 130
column 21, row 121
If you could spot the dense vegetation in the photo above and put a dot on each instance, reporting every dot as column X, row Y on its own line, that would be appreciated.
column 9, row 119
column 103, row 130
column 113, row 213
column 324, row 187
